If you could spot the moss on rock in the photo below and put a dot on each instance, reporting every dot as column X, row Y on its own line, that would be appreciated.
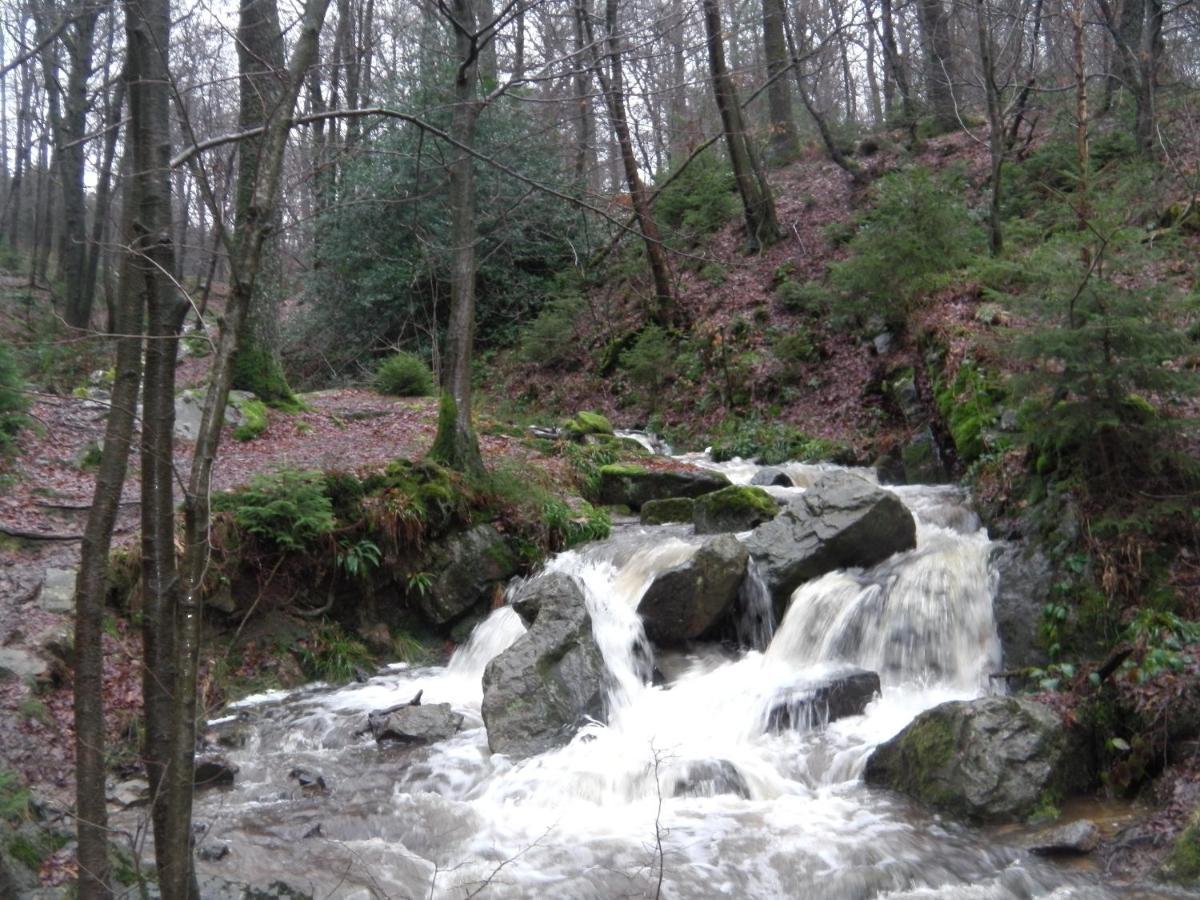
column 254, row 420
column 735, row 508
column 662, row 512
column 1183, row 864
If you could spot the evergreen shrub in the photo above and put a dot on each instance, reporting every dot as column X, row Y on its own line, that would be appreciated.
column 404, row 375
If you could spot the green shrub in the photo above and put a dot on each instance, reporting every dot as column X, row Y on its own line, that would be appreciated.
column 794, row 350
column 329, row 654
column 648, row 361
column 13, row 402
column 404, row 375
column 254, row 421
column 969, row 405
column 700, row 200
column 771, row 443
column 287, row 508
column 808, row 299
column 14, row 797
column 918, row 230
column 549, row 340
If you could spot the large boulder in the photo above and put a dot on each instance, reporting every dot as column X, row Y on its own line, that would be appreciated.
column 991, row 760
column 808, row 706
column 416, row 724
column 469, row 566
column 539, row 691
column 734, row 508
column 633, row 485
column 663, row 512
column 841, row 521
column 685, row 601
column 1024, row 580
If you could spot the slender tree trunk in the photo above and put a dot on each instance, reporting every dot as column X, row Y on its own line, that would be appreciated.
column 456, row 444
column 104, row 192
column 758, row 204
column 996, row 142
column 91, row 585
column 784, row 145
column 612, row 85
column 586, row 176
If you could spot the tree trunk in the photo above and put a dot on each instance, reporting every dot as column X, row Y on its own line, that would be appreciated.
column 261, row 85
column 996, row 143
column 91, row 585
column 612, row 85
column 758, row 204
column 456, row 444
column 784, row 145
column 104, row 194
column 586, row 176
column 939, row 63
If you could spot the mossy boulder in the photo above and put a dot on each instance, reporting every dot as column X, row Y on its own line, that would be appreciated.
column 988, row 761
column 584, row 423
column 735, row 508
column 634, row 485
column 662, row 512
column 1183, row 863
column 686, row 601
column 469, row 566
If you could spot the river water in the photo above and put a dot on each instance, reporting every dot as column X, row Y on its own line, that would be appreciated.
column 608, row 815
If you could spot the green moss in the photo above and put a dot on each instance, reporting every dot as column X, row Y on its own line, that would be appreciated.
column 14, row 797
column 619, row 470
column 585, row 423
column 257, row 369
column 738, row 500
column 674, row 509
column 254, row 421
column 1183, row 865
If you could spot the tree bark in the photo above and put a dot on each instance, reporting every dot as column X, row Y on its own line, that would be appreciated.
column 785, row 144
column 939, row 63
column 758, row 204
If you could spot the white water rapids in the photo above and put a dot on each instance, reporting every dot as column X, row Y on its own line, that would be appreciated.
column 602, row 817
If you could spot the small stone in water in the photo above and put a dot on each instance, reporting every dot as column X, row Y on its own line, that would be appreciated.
column 213, row 852
column 313, row 832
column 309, row 780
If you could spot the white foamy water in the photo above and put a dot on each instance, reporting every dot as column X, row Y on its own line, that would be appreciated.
column 611, row 814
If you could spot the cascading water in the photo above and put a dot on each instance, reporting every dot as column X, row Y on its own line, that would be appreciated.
column 684, row 793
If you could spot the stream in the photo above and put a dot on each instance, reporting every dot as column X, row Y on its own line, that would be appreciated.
column 606, row 816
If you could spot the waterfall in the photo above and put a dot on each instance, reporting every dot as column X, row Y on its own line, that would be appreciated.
column 690, row 766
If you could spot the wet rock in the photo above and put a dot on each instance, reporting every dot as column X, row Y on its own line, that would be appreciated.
column 901, row 392
column 131, row 792
column 841, row 521
column 772, row 476
column 58, row 591
column 418, row 724
column 1074, row 839
column 810, row 706
column 710, row 778
column 662, row 512
column 232, row 733
column 314, row 832
column 991, row 760
column 632, row 486
column 1024, row 580
column 685, row 601
column 470, row 565
column 310, row 780
column 922, row 458
column 212, row 852
column 19, row 664
column 889, row 469
column 213, row 770
column 552, row 587
column 539, row 691
column 735, row 508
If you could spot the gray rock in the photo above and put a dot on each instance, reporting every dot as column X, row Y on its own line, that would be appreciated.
column 1024, row 580
column 901, row 391
column 213, row 770
column 1073, row 839
column 58, row 591
column 539, row 691
column 632, row 486
column 808, row 706
column 685, row 601
column 710, row 778
column 131, row 792
column 550, row 587
column 418, row 724
column 673, row 509
column 738, row 507
column 21, row 664
column 772, row 476
column 469, row 564
column 841, row 521
column 212, row 852
column 189, row 410
column 922, row 458
column 882, row 342
column 991, row 760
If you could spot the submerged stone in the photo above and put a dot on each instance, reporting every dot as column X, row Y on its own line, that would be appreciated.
column 814, row 705
column 710, row 778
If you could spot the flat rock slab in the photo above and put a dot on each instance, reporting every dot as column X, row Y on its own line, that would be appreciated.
column 20, row 664
column 58, row 591
column 1073, row 839
column 418, row 724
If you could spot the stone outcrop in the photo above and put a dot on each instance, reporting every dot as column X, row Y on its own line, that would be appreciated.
column 687, row 600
